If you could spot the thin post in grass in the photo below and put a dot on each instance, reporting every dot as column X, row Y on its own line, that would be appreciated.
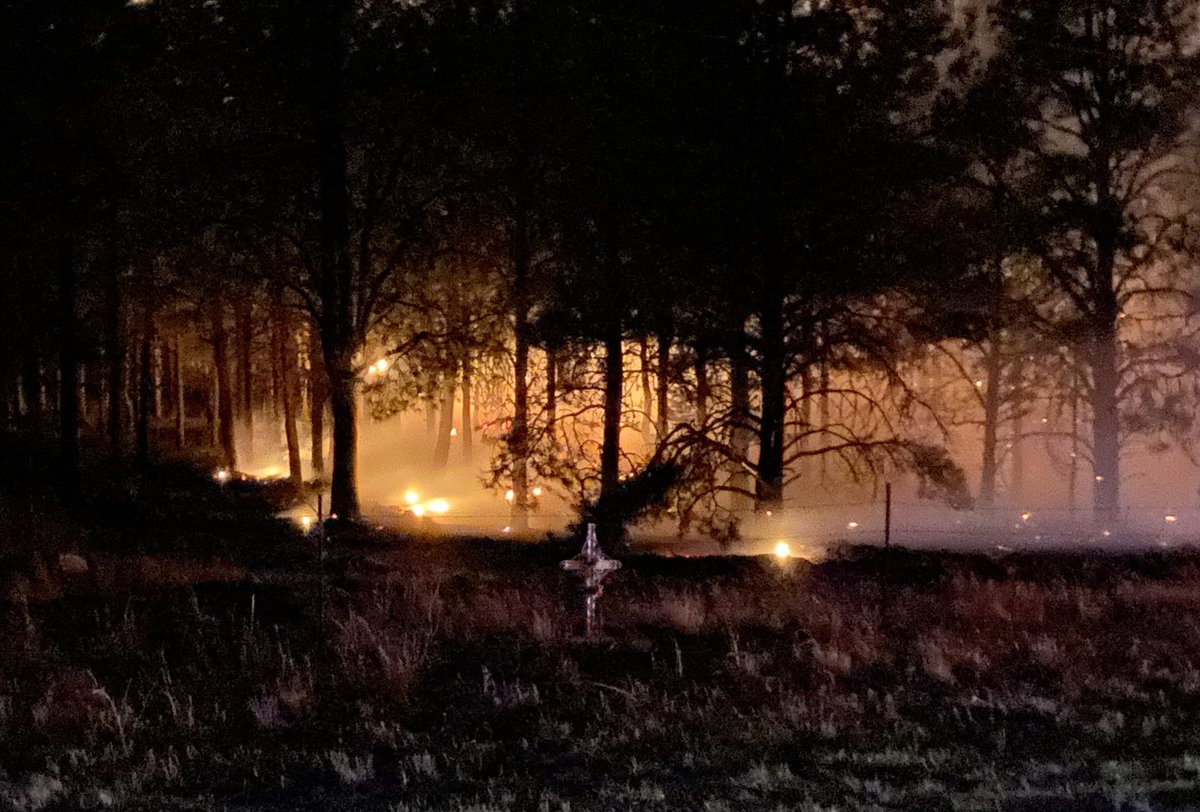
column 887, row 516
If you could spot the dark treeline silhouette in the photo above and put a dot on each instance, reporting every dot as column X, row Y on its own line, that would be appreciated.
column 774, row 237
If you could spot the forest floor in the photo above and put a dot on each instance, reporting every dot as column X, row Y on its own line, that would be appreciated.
column 203, row 663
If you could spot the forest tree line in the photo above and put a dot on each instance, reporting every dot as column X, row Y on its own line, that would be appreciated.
column 769, row 236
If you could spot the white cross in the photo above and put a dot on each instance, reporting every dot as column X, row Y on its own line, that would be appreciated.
column 592, row 565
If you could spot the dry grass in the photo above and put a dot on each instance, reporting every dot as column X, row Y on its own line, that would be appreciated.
column 874, row 683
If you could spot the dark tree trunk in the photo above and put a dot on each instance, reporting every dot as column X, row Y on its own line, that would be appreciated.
column 647, row 397
column 85, row 402
column 318, row 396
column 551, row 393
column 129, row 393
column 702, row 387
column 114, row 353
column 1106, row 428
column 214, row 434
column 610, row 452
column 339, row 337
column 1073, row 470
column 224, row 394
column 466, row 408
column 245, row 332
column 823, row 332
column 441, row 449
column 31, row 393
column 7, row 400
column 68, row 363
column 740, row 432
column 343, row 384
column 773, row 380
column 993, row 381
column 276, row 381
column 804, row 440
column 518, row 436
column 285, row 354
column 662, row 396
column 180, row 399
column 158, row 379
column 145, row 400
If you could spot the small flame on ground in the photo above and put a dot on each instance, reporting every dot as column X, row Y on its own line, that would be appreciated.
column 1170, row 518
column 437, row 506
column 411, row 497
column 453, row 432
column 1025, row 516
column 1099, row 478
column 783, row 550
column 306, row 522
column 506, row 530
column 509, row 495
column 1107, row 533
column 852, row 525
column 418, row 510
column 537, row 491
column 221, row 475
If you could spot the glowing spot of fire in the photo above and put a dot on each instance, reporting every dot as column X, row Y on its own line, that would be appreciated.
column 438, row 506
column 978, row 384
column 381, row 365
column 411, row 497
column 852, row 525
column 1107, row 533
column 221, row 475
column 1099, row 478
column 306, row 522
column 418, row 510
column 509, row 495
column 1025, row 516
column 783, row 550
column 1170, row 518
column 453, row 432
column 769, row 513
column 506, row 530
column 537, row 491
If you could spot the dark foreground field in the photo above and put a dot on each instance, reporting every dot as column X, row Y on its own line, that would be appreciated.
column 447, row 677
